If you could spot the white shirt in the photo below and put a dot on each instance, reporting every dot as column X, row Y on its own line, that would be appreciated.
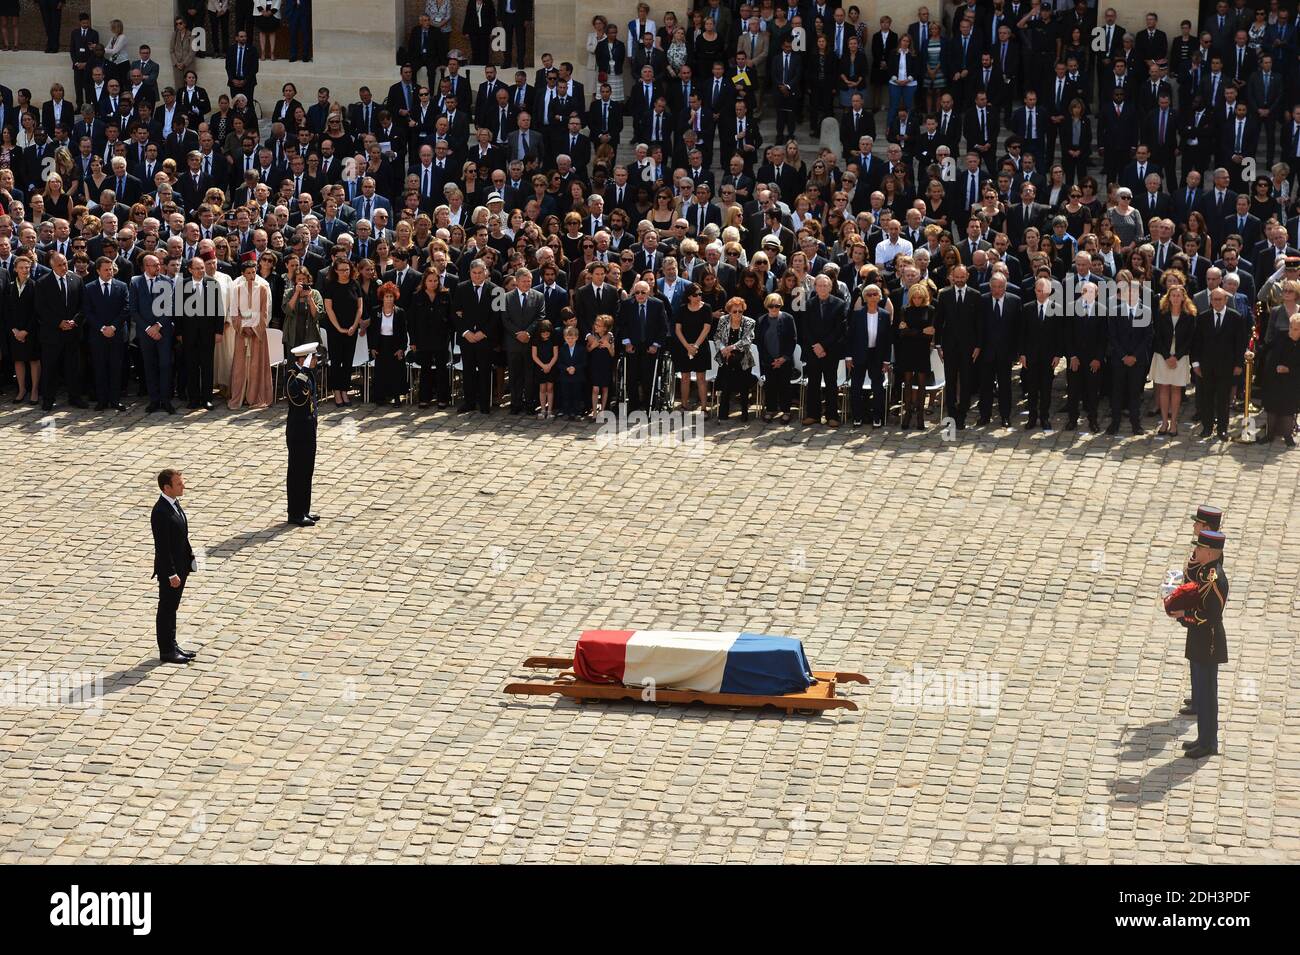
column 386, row 323
column 887, row 250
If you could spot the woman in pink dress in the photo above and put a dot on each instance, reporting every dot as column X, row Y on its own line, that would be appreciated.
column 249, row 316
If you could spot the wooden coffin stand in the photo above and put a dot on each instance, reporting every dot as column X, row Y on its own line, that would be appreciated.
column 820, row 696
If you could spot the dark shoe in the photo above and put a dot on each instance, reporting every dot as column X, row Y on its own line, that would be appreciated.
column 857, row 422
column 1187, row 711
column 47, row 406
column 877, row 424
column 302, row 521
column 101, row 406
column 981, row 422
column 1187, row 701
column 312, row 517
column 183, row 652
column 1072, row 426
column 1288, row 440
column 832, row 422
column 173, row 656
column 1113, row 428
column 1190, row 744
column 1094, row 425
column 810, row 421
column 1223, row 436
column 1206, row 432
column 194, row 406
column 79, row 404
column 168, row 407
column 1006, row 422
column 1031, row 424
column 119, row 407
column 1200, row 752
column 425, row 404
column 207, row 406
column 1137, row 428
column 464, row 409
column 152, row 407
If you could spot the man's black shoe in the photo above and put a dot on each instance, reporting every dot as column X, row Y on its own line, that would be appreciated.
column 1137, row 427
column 1187, row 700
column 464, row 409
column 1200, row 752
column 119, row 407
column 302, row 521
column 1094, row 425
column 173, row 656
column 1071, row 425
column 168, row 407
column 207, row 406
column 1206, row 432
column 79, row 404
column 183, row 652
column 1113, row 428
column 1223, row 436
column 1187, row 711
column 153, row 406
column 312, row 517
column 1190, row 744
column 101, row 406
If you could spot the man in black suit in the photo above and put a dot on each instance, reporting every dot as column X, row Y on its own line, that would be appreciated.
column 1238, row 141
column 1218, row 354
column 173, row 561
column 58, row 305
column 83, row 38
column 958, row 314
column 786, row 74
column 1129, row 334
column 981, row 128
column 478, row 326
column 200, row 327
column 1040, row 347
column 641, row 327
column 1083, row 338
column 999, row 340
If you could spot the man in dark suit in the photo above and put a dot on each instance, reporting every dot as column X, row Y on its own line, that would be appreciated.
column 1244, row 224
column 981, row 128
column 525, row 307
column 1024, row 214
column 786, row 75
column 1238, row 141
column 155, row 332
column 1040, row 347
column 1128, row 337
column 605, row 119
column 999, row 341
column 1084, row 343
column 173, row 561
column 641, row 329
column 870, row 340
column 595, row 298
column 1206, row 646
column 1218, row 355
column 1117, row 133
column 200, row 328
column 106, row 306
column 241, row 67
column 59, row 311
column 823, row 329
column 958, row 313
column 855, row 122
column 79, row 49
column 478, row 326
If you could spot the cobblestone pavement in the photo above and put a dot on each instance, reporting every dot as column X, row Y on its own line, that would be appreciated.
column 346, row 705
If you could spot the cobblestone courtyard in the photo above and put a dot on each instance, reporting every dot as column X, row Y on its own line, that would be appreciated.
column 346, row 704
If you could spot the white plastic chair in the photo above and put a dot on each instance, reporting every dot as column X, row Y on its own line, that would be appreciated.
column 275, row 348
column 842, row 381
column 759, row 378
column 940, row 383
column 711, row 377
column 361, row 359
column 456, row 365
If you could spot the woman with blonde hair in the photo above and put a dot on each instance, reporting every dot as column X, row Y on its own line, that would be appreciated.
column 1171, row 371
column 914, row 334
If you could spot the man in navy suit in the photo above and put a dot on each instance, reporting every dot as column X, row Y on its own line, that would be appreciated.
column 155, row 333
column 106, row 309
column 642, row 330
column 173, row 560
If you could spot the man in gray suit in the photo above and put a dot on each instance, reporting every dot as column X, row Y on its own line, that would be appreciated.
column 154, row 331
column 526, row 143
column 525, row 307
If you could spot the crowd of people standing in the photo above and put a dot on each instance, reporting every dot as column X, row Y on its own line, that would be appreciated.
column 999, row 205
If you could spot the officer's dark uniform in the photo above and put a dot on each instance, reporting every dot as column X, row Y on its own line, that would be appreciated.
column 1207, row 647
column 1206, row 516
column 300, row 435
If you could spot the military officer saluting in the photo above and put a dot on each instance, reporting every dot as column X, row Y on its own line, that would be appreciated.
column 300, row 435
column 1207, row 643
column 1210, row 518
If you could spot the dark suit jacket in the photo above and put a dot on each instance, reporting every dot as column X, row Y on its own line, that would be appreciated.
column 172, row 554
column 1223, row 349
column 1000, row 341
column 52, row 309
column 628, row 327
column 857, row 338
column 824, row 323
column 102, row 312
column 958, row 328
column 1039, row 341
column 471, row 314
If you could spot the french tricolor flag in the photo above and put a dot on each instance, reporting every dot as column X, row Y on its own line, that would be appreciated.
column 706, row 661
